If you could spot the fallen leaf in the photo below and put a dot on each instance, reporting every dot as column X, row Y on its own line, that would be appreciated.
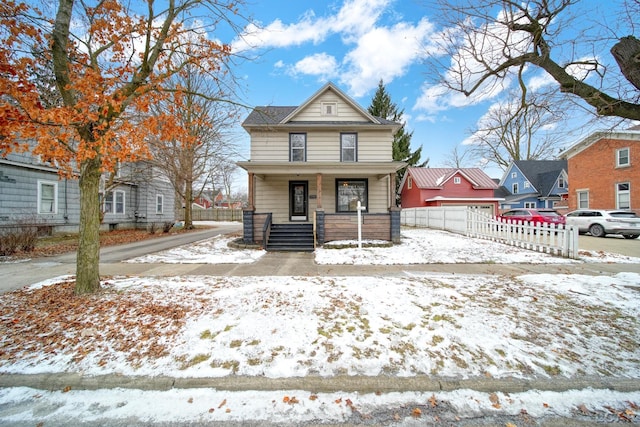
column 582, row 408
column 416, row 413
column 227, row 410
column 190, row 400
column 211, row 410
column 433, row 401
column 224, row 402
column 339, row 401
column 67, row 389
column 313, row 397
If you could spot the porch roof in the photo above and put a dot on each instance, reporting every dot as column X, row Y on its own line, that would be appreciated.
column 328, row 168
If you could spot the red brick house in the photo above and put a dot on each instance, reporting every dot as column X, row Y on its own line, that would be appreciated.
column 448, row 187
column 604, row 170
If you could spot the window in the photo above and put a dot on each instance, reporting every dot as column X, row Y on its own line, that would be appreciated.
column 298, row 147
column 349, row 192
column 622, row 157
column 514, row 188
column 530, row 205
column 410, row 182
column 159, row 203
column 348, row 147
column 456, row 180
column 623, row 196
column 583, row 200
column 114, row 202
column 527, row 184
column 47, row 197
column 329, row 109
column 561, row 183
column 514, row 175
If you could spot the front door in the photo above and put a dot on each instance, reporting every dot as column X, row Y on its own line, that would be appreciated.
column 298, row 200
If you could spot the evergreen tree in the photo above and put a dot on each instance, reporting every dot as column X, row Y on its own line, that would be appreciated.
column 382, row 106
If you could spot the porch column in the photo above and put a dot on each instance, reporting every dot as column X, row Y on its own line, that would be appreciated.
column 392, row 190
column 319, row 191
column 251, row 195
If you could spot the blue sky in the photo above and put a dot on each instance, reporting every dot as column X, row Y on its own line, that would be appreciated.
column 354, row 43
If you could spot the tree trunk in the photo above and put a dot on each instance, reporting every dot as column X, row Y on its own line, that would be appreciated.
column 88, row 261
column 188, row 205
column 627, row 54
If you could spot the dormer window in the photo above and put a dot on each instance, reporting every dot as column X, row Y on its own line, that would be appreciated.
column 329, row 109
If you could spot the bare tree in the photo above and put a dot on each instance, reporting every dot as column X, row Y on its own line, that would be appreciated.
column 223, row 174
column 201, row 108
column 457, row 157
column 518, row 129
column 488, row 40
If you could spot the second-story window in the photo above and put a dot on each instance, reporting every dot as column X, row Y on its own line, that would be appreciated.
column 622, row 157
column 298, row 147
column 514, row 188
column 348, row 147
column 561, row 183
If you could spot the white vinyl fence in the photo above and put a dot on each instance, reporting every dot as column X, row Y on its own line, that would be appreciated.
column 547, row 238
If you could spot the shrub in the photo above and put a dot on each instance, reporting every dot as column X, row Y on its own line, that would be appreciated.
column 152, row 227
column 167, row 226
column 22, row 238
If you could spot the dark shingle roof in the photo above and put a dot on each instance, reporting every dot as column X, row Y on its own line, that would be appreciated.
column 542, row 174
column 267, row 115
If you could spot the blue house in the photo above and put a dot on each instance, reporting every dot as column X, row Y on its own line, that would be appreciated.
column 535, row 184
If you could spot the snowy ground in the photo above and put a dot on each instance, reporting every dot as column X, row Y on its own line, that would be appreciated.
column 454, row 325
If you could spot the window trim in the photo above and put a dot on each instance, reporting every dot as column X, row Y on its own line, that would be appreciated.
column 41, row 183
column 561, row 182
column 530, row 205
column 457, row 180
column 618, row 152
column 578, row 201
column 340, row 183
column 623, row 192
column 159, row 204
column 325, row 111
column 291, row 148
column 514, row 188
column 113, row 200
column 355, row 148
column 409, row 182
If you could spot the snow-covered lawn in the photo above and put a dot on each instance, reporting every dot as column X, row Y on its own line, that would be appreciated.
column 418, row 246
column 443, row 325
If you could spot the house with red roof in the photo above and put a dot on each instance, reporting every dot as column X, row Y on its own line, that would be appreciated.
column 421, row 187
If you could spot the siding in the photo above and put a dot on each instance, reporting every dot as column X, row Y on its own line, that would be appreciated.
column 322, row 146
column 19, row 199
column 345, row 111
column 345, row 227
column 594, row 170
column 19, row 196
column 272, row 195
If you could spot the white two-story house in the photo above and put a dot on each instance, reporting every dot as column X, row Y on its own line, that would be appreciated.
column 310, row 166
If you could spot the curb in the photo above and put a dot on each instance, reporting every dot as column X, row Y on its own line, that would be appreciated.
column 360, row 384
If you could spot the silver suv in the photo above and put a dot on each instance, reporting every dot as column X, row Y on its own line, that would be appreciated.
column 599, row 222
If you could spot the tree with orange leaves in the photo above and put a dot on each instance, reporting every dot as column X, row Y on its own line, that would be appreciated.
column 110, row 61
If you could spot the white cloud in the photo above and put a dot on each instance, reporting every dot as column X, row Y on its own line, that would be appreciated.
column 320, row 64
column 385, row 53
column 380, row 52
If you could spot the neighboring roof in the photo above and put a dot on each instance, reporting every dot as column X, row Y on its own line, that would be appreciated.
column 542, row 174
column 282, row 115
column 437, row 177
column 631, row 134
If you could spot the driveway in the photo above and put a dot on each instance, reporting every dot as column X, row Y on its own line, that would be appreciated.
column 611, row 243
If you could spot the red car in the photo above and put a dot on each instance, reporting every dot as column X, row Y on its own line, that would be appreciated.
column 532, row 215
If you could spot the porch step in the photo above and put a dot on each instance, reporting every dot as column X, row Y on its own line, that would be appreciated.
column 291, row 237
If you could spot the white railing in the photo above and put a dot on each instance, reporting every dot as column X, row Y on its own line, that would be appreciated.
column 541, row 237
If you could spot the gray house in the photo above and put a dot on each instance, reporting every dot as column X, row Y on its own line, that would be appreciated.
column 32, row 192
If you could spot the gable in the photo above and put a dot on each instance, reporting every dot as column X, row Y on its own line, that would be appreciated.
column 330, row 104
column 629, row 136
